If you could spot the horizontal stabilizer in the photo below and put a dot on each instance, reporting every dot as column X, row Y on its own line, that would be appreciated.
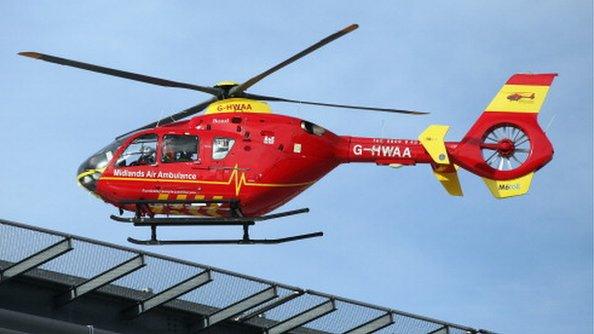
column 448, row 177
column 509, row 188
column 432, row 140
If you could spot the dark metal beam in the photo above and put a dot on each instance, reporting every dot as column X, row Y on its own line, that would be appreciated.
column 173, row 292
column 151, row 254
column 36, row 259
column 270, row 306
column 10, row 331
column 303, row 318
column 239, row 307
column 373, row 325
column 102, row 279
column 124, row 300
column 395, row 312
column 441, row 330
column 27, row 323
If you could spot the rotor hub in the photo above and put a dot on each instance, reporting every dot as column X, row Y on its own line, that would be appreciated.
column 506, row 147
column 225, row 88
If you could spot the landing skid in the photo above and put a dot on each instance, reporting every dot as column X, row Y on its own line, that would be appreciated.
column 245, row 222
column 249, row 241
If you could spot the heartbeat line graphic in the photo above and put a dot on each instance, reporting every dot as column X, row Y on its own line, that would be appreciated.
column 236, row 179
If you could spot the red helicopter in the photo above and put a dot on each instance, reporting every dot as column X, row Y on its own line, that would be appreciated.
column 237, row 162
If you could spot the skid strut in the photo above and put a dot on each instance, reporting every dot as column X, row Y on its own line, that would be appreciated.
column 236, row 220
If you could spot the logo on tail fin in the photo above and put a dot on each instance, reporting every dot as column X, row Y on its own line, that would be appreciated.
column 517, row 96
column 509, row 188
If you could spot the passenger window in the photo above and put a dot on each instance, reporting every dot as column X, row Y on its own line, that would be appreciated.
column 142, row 151
column 221, row 147
column 179, row 148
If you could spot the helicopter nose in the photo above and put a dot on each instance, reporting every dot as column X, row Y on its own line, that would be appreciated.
column 91, row 169
column 88, row 175
column 88, row 178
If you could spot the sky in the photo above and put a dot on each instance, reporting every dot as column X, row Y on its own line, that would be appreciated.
column 392, row 237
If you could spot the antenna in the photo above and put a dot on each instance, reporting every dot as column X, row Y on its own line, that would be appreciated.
column 550, row 123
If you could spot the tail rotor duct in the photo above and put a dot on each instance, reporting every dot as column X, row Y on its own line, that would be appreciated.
column 506, row 147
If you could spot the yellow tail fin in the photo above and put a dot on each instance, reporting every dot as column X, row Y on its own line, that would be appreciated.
column 509, row 188
column 448, row 177
column 432, row 140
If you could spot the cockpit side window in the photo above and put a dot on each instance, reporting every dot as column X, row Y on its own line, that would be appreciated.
column 141, row 151
column 314, row 129
column 179, row 148
column 221, row 147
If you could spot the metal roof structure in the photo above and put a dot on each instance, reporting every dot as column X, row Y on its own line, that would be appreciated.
column 55, row 280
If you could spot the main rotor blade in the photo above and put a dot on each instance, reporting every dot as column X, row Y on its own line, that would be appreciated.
column 252, row 81
column 119, row 73
column 175, row 117
column 280, row 99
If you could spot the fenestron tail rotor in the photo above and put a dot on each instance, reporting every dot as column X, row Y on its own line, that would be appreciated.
column 220, row 92
column 506, row 147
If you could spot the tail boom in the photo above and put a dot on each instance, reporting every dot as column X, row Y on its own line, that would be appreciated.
column 382, row 151
column 505, row 146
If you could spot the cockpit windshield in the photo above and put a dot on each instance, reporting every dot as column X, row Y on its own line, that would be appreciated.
column 100, row 159
column 91, row 169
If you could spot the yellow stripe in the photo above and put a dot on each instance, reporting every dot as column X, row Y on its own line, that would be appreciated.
column 89, row 172
column 214, row 207
column 519, row 98
column 195, row 210
column 177, row 208
column 252, row 184
column 158, row 208
column 234, row 178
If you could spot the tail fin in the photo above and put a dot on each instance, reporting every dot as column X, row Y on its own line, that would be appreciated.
column 433, row 140
column 505, row 146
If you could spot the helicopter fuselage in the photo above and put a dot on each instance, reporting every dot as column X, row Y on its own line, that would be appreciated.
column 258, row 158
